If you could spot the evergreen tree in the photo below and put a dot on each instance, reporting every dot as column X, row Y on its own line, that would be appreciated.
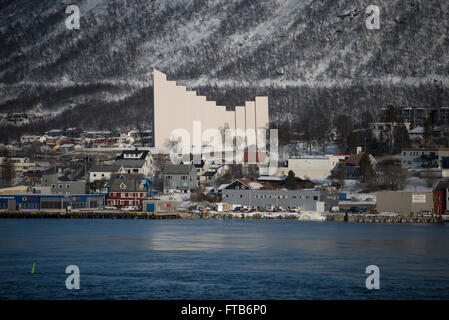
column 344, row 126
column 367, row 172
column 339, row 174
column 401, row 138
column 290, row 182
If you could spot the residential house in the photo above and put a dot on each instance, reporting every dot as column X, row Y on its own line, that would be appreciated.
column 180, row 177
column 60, row 184
column 102, row 172
column 215, row 171
column 416, row 134
column 208, row 178
column 352, row 165
column 201, row 167
column 312, row 167
column 386, row 129
column 126, row 190
column 135, row 161
column 441, row 197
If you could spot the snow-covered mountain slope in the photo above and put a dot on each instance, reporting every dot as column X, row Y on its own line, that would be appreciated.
column 302, row 53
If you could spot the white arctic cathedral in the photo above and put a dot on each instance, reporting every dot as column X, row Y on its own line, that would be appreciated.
column 177, row 108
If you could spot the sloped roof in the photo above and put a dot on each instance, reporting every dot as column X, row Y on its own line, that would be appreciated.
column 133, row 152
column 209, row 173
column 417, row 130
column 441, row 185
column 130, row 183
column 177, row 169
column 354, row 159
column 130, row 163
column 105, row 168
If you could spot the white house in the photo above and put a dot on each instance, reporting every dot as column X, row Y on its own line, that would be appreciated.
column 312, row 167
column 102, row 172
column 135, row 161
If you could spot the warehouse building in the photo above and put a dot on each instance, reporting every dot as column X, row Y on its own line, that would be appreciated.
column 304, row 199
column 51, row 202
column 404, row 202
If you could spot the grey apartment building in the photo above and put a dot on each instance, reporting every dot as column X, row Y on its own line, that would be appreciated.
column 417, row 115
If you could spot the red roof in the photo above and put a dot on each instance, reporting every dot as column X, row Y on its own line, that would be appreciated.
column 245, row 181
column 354, row 159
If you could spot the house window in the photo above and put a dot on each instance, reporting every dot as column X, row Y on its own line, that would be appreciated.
column 67, row 186
column 60, row 186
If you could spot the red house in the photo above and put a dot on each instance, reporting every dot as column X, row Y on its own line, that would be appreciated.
column 126, row 190
column 441, row 197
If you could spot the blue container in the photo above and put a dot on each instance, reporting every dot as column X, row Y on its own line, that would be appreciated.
column 342, row 196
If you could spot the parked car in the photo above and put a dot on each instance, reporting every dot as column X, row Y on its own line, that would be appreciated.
column 425, row 213
column 110, row 208
column 130, row 208
column 357, row 210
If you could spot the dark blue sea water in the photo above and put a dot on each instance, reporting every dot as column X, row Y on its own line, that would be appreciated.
column 222, row 259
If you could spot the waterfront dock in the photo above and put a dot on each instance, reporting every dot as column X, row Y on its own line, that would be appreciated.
column 335, row 217
column 86, row 215
column 379, row 218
